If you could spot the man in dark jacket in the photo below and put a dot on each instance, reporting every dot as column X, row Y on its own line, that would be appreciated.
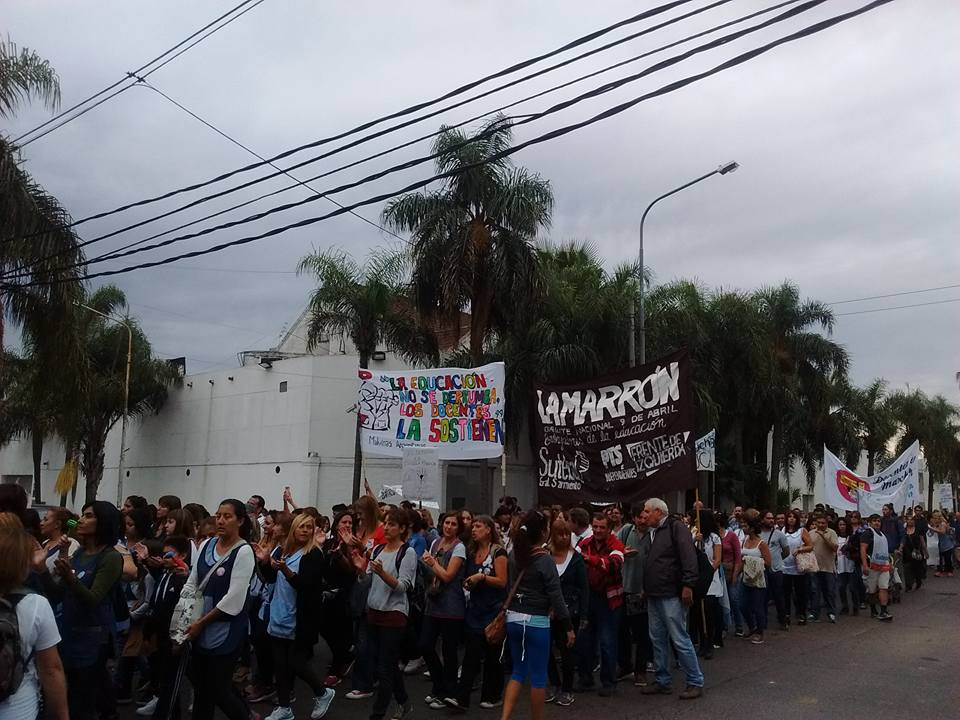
column 669, row 576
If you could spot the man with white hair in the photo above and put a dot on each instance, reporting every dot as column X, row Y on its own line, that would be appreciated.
column 669, row 576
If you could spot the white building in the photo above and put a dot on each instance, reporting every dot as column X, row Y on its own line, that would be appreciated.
column 284, row 417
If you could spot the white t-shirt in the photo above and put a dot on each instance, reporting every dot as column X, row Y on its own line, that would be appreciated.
column 716, row 585
column 38, row 631
column 51, row 559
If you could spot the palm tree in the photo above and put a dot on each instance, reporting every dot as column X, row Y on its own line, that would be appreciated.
column 99, row 380
column 801, row 361
column 472, row 239
column 36, row 241
column 934, row 423
column 25, row 75
column 874, row 419
column 369, row 304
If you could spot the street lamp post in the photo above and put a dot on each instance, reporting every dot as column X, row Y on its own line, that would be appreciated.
column 126, row 395
column 722, row 170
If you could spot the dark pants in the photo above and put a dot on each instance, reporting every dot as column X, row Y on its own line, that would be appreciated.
column 292, row 661
column 946, row 561
column 443, row 675
column 636, row 650
column 263, row 651
column 915, row 572
column 335, row 629
column 164, row 666
column 795, row 593
column 775, row 593
column 754, row 608
column 847, row 591
column 387, row 641
column 90, row 690
column 410, row 647
column 476, row 651
column 366, row 656
column 212, row 680
column 601, row 631
column 826, row 584
column 706, row 623
column 561, row 664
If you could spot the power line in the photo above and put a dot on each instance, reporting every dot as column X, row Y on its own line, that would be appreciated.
column 606, row 114
column 896, row 294
column 260, row 157
column 609, row 87
column 388, row 151
column 141, row 70
column 899, row 307
column 405, row 111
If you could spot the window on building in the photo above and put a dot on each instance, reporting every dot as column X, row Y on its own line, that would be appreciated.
column 283, row 386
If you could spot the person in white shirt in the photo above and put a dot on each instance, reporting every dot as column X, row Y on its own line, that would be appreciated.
column 38, row 632
column 580, row 527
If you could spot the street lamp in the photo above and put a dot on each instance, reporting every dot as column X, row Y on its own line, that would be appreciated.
column 724, row 169
column 126, row 395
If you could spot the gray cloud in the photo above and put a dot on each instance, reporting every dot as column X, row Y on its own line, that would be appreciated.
column 847, row 142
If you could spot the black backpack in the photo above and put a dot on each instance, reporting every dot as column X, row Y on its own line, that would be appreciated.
column 12, row 662
column 416, row 595
column 705, row 569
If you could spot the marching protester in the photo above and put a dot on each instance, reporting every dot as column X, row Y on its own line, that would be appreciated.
column 670, row 573
column 706, row 615
column 779, row 550
column 576, row 595
column 534, row 593
column 945, row 543
column 221, row 576
column 603, row 555
column 52, row 528
column 486, row 584
column 825, row 545
column 636, row 650
column 446, row 604
column 875, row 561
column 914, row 555
column 339, row 577
column 796, row 587
column 847, row 570
column 756, row 564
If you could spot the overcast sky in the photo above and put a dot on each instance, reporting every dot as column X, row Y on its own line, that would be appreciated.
column 848, row 144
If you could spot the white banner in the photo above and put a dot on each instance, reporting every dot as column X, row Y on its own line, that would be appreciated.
column 458, row 412
column 896, row 484
column 420, row 474
column 706, row 448
column 943, row 492
column 393, row 495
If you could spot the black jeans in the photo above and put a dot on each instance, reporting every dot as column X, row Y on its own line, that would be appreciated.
column 292, row 661
column 90, row 690
column 796, row 592
column 636, row 649
column 706, row 623
column 164, row 666
column 387, row 641
column 775, row 593
column 561, row 674
column 263, row 651
column 442, row 675
column 335, row 629
column 946, row 561
column 476, row 651
column 212, row 680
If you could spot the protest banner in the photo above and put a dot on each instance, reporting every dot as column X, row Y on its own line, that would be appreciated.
column 459, row 412
column 943, row 492
column 624, row 437
column 897, row 483
column 420, row 474
column 706, row 449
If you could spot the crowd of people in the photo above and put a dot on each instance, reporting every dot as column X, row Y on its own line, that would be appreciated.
column 183, row 610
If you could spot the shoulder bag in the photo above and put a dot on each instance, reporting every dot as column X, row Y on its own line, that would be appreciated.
column 189, row 607
column 496, row 631
column 807, row 562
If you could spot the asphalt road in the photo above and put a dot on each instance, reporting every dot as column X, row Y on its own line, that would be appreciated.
column 858, row 668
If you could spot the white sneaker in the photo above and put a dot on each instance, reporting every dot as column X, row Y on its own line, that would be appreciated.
column 321, row 704
column 413, row 667
column 149, row 707
column 487, row 705
column 358, row 695
column 281, row 713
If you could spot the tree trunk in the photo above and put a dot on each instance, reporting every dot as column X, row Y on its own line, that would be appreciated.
column 776, row 461
column 871, row 462
column 92, row 468
column 36, row 438
column 357, row 453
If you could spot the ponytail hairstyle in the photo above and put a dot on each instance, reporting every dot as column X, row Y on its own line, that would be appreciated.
column 527, row 537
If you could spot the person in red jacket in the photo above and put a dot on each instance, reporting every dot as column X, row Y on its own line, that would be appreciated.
column 603, row 554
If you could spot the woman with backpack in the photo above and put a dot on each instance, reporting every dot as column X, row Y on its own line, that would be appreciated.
column 293, row 626
column 486, row 583
column 88, row 591
column 756, row 561
column 535, row 592
column 221, row 576
column 392, row 569
column 39, row 666
column 446, row 606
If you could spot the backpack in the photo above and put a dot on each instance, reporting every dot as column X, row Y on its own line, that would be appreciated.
column 416, row 595
column 12, row 663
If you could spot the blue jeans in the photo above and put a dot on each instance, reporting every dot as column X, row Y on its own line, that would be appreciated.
column 736, row 603
column 602, row 629
column 755, row 608
column 826, row 583
column 668, row 624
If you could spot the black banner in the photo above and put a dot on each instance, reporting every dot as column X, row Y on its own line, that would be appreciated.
column 625, row 437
